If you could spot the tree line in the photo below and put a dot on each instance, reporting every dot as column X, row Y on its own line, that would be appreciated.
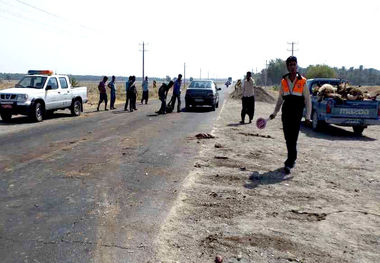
column 355, row 76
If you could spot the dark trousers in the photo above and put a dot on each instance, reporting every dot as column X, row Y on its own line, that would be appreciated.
column 133, row 101
column 291, row 122
column 248, row 107
column 173, row 99
column 102, row 97
column 145, row 96
column 127, row 99
column 163, row 105
column 113, row 99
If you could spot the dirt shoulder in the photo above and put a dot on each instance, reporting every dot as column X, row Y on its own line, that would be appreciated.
column 237, row 202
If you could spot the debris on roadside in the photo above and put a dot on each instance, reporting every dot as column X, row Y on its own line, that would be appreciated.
column 256, row 135
column 213, row 194
column 218, row 145
column 218, row 259
column 204, row 136
column 221, row 157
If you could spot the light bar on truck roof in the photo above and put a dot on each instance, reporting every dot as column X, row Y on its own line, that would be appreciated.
column 40, row 72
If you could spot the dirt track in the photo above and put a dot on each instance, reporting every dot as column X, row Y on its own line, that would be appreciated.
column 237, row 203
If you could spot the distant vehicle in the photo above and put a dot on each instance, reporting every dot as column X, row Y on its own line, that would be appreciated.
column 202, row 92
column 354, row 113
column 40, row 92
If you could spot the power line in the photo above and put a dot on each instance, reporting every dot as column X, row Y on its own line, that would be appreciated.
column 39, row 9
column 24, row 19
column 49, row 14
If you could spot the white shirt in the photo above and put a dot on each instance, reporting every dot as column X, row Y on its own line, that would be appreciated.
column 305, row 93
column 248, row 87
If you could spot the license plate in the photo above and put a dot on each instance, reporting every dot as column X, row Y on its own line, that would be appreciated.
column 6, row 106
column 198, row 100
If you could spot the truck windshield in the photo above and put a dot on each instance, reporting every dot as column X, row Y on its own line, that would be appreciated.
column 35, row 82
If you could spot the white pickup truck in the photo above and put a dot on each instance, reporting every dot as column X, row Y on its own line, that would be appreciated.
column 40, row 92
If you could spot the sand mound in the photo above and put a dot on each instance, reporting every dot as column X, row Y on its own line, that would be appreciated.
column 260, row 95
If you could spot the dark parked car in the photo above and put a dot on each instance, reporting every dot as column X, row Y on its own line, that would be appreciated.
column 202, row 92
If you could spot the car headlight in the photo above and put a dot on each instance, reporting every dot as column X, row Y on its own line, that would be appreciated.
column 22, row 97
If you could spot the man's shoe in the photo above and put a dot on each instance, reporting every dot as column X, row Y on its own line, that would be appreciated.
column 241, row 122
column 97, row 109
column 287, row 170
column 105, row 109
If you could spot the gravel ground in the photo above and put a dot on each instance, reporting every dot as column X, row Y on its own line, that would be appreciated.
column 237, row 202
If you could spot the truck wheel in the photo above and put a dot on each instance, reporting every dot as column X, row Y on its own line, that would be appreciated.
column 358, row 130
column 187, row 107
column 38, row 112
column 217, row 105
column 6, row 116
column 76, row 108
column 317, row 125
column 213, row 107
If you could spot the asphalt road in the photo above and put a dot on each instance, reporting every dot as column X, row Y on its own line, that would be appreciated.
column 94, row 188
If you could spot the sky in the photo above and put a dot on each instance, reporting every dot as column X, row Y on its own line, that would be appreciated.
column 215, row 38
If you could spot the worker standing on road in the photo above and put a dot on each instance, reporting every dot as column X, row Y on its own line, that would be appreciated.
column 102, row 93
column 112, row 86
column 248, row 99
column 145, row 88
column 177, row 92
column 162, row 94
column 295, row 95
column 133, row 94
column 127, row 94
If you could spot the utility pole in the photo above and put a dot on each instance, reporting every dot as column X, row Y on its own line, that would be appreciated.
column 292, row 43
column 143, row 60
column 200, row 73
column 208, row 75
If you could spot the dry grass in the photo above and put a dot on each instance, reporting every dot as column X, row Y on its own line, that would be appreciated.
column 4, row 84
column 93, row 93
column 373, row 90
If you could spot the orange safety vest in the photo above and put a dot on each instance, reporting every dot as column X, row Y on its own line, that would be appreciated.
column 298, row 87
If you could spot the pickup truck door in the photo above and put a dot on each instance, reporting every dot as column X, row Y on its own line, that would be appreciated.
column 52, row 94
column 66, row 92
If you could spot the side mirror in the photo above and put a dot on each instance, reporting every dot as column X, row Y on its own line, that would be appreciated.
column 218, row 89
column 48, row 87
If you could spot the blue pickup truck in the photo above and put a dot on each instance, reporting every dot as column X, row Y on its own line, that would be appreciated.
column 357, row 114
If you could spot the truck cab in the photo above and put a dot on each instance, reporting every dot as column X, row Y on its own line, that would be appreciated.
column 357, row 114
column 39, row 92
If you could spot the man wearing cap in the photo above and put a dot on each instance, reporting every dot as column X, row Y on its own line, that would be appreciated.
column 293, row 96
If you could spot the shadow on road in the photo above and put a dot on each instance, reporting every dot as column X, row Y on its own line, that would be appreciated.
column 25, row 119
column 198, row 109
column 334, row 133
column 235, row 124
column 271, row 177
